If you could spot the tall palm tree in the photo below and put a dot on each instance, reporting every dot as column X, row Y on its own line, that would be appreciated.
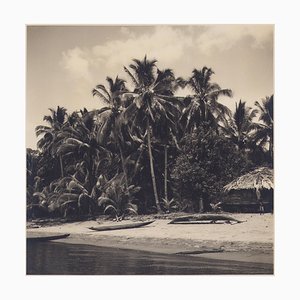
column 204, row 105
column 167, row 132
column 152, row 103
column 49, row 141
column 109, row 128
column 240, row 125
column 263, row 136
column 203, row 108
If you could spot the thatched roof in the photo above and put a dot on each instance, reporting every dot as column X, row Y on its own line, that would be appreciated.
column 259, row 179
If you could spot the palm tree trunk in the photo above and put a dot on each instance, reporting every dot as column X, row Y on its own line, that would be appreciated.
column 122, row 158
column 92, row 179
column 166, row 173
column 201, row 205
column 137, row 164
column 61, row 166
column 152, row 169
column 123, row 166
column 271, row 147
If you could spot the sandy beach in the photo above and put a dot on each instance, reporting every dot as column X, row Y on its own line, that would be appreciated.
column 251, row 240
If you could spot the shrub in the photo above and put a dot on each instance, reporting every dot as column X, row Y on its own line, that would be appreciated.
column 117, row 199
column 206, row 163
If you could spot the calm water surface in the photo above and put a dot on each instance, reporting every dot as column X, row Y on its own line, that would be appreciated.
column 70, row 259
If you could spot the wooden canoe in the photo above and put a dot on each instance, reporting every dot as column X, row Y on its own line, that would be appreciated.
column 121, row 226
column 205, row 219
column 46, row 238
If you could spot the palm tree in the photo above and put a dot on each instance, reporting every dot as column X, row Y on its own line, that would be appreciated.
column 152, row 104
column 80, row 144
column 32, row 160
column 203, row 108
column 49, row 142
column 88, row 160
column 263, row 136
column 117, row 197
column 166, row 131
column 109, row 128
column 240, row 125
column 204, row 105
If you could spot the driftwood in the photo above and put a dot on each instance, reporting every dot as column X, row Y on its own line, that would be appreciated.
column 205, row 219
column 200, row 251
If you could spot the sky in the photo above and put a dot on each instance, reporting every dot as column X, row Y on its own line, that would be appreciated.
column 64, row 63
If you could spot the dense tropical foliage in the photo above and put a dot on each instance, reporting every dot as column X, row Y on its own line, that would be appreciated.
column 145, row 150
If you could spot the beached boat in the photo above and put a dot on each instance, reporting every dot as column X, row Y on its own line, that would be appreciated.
column 121, row 226
column 205, row 219
column 46, row 238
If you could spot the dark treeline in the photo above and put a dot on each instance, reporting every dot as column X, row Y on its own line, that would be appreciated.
column 146, row 151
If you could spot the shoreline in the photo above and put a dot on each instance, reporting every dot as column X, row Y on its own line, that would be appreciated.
column 251, row 241
column 241, row 252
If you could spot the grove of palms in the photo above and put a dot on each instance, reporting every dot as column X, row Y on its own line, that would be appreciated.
column 146, row 150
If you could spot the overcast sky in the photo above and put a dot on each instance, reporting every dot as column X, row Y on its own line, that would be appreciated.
column 64, row 63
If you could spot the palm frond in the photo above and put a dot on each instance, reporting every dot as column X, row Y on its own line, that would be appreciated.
column 222, row 92
column 180, row 82
column 48, row 119
column 102, row 96
column 103, row 89
column 106, row 129
column 110, row 207
column 132, row 210
column 103, row 200
column 135, row 82
column 76, row 186
column 40, row 129
column 68, row 196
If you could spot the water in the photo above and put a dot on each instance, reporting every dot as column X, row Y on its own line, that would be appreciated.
column 70, row 259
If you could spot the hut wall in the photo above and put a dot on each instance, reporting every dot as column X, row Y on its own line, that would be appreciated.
column 268, row 200
column 246, row 201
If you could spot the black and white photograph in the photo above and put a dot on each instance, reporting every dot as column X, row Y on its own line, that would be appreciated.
column 150, row 149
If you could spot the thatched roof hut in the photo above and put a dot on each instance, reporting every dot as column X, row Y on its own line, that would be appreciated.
column 245, row 192
column 259, row 179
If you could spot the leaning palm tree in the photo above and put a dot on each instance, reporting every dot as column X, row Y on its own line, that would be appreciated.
column 152, row 102
column 204, row 105
column 263, row 136
column 110, row 114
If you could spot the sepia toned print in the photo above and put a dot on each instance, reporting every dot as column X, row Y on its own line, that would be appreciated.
column 150, row 150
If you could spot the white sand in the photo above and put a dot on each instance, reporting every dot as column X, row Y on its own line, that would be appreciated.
column 256, row 235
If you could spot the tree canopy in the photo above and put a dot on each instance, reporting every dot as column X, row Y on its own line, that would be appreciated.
column 144, row 149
